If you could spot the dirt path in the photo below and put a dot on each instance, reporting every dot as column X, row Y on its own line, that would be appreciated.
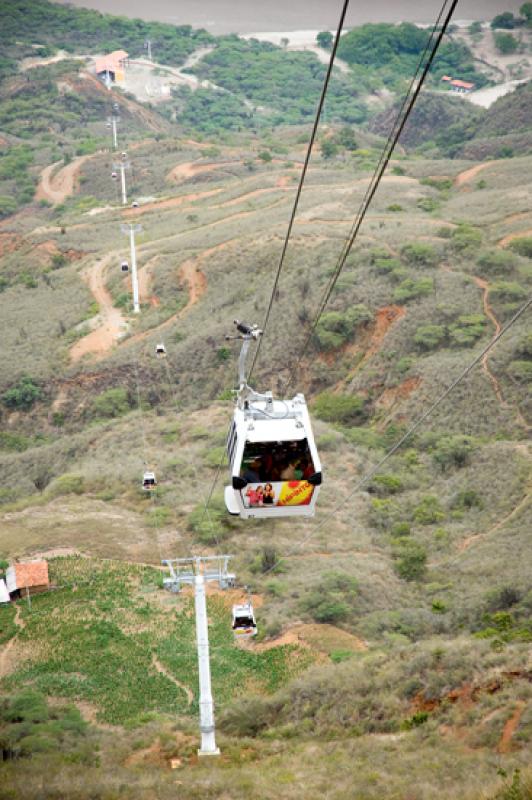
column 385, row 318
column 55, row 188
column 4, row 655
column 170, row 202
column 196, row 282
column 488, row 311
column 163, row 671
column 468, row 174
column 466, row 543
column 112, row 323
column 190, row 169
column 510, row 728
column 511, row 236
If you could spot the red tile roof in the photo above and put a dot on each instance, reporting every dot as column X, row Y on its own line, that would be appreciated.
column 462, row 84
column 111, row 62
column 32, row 573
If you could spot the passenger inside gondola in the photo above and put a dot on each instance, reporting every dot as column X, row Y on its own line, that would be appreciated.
column 276, row 461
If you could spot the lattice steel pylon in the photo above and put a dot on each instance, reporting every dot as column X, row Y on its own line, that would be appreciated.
column 197, row 571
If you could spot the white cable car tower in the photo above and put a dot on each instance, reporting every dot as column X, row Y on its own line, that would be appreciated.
column 274, row 466
column 131, row 229
column 197, row 571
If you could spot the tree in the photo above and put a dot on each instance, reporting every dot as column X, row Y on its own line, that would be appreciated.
column 23, row 395
column 325, row 39
column 343, row 408
column 410, row 560
column 505, row 20
column 526, row 12
column 429, row 336
column 453, row 451
column 329, row 148
column 505, row 43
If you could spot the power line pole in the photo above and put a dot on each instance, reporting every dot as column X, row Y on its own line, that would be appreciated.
column 122, row 166
column 147, row 45
column 112, row 123
column 131, row 230
column 197, row 571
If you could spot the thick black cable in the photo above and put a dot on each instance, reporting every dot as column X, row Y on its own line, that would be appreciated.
column 392, row 131
column 302, row 179
column 420, row 420
column 370, row 194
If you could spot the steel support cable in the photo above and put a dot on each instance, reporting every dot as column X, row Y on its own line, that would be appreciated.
column 389, row 139
column 420, row 420
column 301, row 179
column 370, row 193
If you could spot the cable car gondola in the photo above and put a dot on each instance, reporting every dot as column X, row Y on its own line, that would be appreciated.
column 124, row 266
column 274, row 466
column 134, row 204
column 244, row 623
column 149, row 482
column 114, row 176
column 160, row 350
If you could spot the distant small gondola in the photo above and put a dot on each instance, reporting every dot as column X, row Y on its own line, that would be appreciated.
column 124, row 266
column 244, row 624
column 149, row 482
column 160, row 350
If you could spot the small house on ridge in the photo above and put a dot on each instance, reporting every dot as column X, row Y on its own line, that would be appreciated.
column 29, row 577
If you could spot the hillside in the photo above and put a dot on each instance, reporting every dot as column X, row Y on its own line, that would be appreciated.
column 395, row 626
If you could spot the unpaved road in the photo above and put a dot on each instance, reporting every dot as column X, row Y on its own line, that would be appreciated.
column 467, row 175
column 56, row 187
column 112, row 323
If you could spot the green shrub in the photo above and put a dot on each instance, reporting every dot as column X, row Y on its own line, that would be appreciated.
column 428, row 204
column 386, row 265
column 428, row 511
column 452, row 451
column 467, row 499
column 330, row 601
column 66, row 484
column 385, row 484
column 23, row 395
column 335, row 327
column 400, row 529
column 494, row 261
column 410, row 289
column 523, row 246
column 437, row 182
column 212, row 525
column 111, row 403
column 410, row 559
column 524, row 345
column 429, row 337
column 342, row 408
column 521, row 371
column 467, row 329
column 395, row 207
column 420, row 254
column 505, row 43
column 14, row 441
column 508, row 290
column 465, row 237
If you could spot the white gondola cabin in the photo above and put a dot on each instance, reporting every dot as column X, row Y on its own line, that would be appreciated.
column 244, row 623
column 124, row 266
column 114, row 176
column 160, row 350
column 149, row 481
column 134, row 204
column 274, row 465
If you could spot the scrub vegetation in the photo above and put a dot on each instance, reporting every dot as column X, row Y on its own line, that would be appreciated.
column 394, row 628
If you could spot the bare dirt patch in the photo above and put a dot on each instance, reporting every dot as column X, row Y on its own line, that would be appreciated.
column 510, row 728
column 324, row 639
column 189, row 169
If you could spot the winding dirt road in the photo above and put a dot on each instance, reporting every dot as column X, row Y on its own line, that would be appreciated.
column 112, row 325
column 4, row 655
column 488, row 311
column 55, row 187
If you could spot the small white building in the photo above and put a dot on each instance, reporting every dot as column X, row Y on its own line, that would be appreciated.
column 4, row 594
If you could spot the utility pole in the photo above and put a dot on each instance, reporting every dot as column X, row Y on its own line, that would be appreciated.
column 197, row 571
column 122, row 166
column 147, row 45
column 131, row 230
column 112, row 122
